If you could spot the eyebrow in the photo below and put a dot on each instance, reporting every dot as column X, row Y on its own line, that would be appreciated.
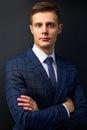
column 42, row 23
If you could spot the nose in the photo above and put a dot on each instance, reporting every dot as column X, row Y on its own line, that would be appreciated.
column 44, row 30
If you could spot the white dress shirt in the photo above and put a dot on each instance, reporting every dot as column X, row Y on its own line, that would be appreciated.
column 42, row 56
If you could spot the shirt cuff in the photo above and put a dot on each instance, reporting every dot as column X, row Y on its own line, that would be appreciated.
column 66, row 109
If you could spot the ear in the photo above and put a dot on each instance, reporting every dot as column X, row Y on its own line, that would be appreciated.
column 60, row 27
column 31, row 28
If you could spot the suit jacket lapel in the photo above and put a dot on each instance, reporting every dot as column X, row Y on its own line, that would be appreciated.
column 33, row 64
column 37, row 68
column 61, row 73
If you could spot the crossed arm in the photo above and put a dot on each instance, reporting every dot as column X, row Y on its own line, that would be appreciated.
column 51, row 116
column 27, row 103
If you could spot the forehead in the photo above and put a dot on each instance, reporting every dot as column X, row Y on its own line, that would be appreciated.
column 44, row 17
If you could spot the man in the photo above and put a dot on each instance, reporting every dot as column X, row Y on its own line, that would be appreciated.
column 37, row 98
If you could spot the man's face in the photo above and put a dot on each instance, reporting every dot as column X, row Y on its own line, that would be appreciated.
column 45, row 29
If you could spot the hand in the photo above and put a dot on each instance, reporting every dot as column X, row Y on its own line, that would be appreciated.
column 27, row 103
column 69, row 104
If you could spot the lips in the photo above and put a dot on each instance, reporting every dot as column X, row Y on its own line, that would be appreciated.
column 45, row 39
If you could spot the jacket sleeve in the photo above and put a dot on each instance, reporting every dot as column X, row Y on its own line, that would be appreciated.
column 79, row 116
column 14, row 87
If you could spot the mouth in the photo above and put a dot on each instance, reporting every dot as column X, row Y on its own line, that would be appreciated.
column 45, row 39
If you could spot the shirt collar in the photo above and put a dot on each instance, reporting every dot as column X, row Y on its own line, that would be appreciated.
column 41, row 55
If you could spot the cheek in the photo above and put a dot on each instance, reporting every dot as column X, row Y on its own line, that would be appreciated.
column 54, row 34
column 36, row 33
column 36, row 36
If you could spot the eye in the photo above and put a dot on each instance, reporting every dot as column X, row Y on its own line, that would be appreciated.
column 38, row 25
column 51, row 25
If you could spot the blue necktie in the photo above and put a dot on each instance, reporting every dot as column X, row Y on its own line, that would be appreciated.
column 49, row 61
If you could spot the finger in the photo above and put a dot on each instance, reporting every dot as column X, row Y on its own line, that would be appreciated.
column 25, row 102
column 24, row 99
column 28, row 108
column 26, row 105
column 27, row 97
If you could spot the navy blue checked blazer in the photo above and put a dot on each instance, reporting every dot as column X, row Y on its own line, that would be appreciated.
column 25, row 74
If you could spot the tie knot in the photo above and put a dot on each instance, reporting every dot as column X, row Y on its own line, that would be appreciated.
column 49, row 60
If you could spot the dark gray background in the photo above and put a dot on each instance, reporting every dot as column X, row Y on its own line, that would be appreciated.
column 16, row 38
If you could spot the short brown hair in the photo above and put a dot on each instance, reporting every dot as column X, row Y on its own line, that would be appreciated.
column 44, row 7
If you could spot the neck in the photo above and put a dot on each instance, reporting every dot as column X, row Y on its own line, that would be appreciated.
column 47, row 50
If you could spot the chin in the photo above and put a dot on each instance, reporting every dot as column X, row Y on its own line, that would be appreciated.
column 47, row 46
